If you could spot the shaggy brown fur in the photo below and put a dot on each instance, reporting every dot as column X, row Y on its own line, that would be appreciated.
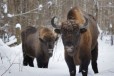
column 37, row 43
column 77, row 15
column 79, row 35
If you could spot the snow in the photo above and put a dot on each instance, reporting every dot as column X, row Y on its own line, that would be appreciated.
column 18, row 26
column 5, row 8
column 11, row 42
column 99, row 29
column 40, row 7
column 110, row 3
column 2, row 16
column 10, row 15
column 49, row 2
column 110, row 25
column 12, row 57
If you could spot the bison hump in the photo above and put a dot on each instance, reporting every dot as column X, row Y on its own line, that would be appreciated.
column 28, row 30
column 31, row 29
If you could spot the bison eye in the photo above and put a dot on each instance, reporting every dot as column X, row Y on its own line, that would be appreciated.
column 42, row 40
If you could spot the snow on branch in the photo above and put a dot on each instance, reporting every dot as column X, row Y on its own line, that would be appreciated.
column 18, row 26
column 25, row 12
column 5, row 8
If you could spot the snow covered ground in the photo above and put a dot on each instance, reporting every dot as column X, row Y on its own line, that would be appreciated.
column 11, row 62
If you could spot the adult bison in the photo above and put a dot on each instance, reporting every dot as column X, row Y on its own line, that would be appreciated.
column 37, row 43
column 79, row 35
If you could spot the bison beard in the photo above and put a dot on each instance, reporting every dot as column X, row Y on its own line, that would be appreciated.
column 37, row 43
column 80, row 39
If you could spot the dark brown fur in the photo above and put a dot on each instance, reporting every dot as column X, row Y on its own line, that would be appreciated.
column 80, row 44
column 37, row 43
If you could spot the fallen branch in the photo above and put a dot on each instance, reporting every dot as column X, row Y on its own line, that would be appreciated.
column 1, row 58
column 10, row 65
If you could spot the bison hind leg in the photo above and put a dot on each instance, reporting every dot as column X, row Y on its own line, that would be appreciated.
column 25, row 63
column 94, row 54
column 80, row 69
column 25, row 60
column 28, row 61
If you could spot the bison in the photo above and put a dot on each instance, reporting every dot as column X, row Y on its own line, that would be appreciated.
column 37, row 43
column 79, row 35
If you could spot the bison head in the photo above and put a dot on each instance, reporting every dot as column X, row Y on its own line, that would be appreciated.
column 48, row 39
column 70, row 32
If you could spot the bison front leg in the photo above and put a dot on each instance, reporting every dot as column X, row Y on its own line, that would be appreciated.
column 39, row 62
column 70, row 64
column 42, row 64
column 45, row 65
column 31, row 62
column 84, row 66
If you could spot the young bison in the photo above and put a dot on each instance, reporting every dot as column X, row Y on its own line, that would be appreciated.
column 79, row 35
column 37, row 43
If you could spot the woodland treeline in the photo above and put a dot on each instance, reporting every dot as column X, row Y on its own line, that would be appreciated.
column 39, row 13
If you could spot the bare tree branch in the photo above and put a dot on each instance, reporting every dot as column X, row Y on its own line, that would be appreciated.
column 9, row 66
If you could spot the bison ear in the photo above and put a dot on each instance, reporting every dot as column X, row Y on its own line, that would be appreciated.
column 57, row 31
column 82, row 30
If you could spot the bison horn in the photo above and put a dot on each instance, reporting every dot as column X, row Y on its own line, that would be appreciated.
column 55, row 22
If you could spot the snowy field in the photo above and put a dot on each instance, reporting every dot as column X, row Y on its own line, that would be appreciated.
column 11, row 62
